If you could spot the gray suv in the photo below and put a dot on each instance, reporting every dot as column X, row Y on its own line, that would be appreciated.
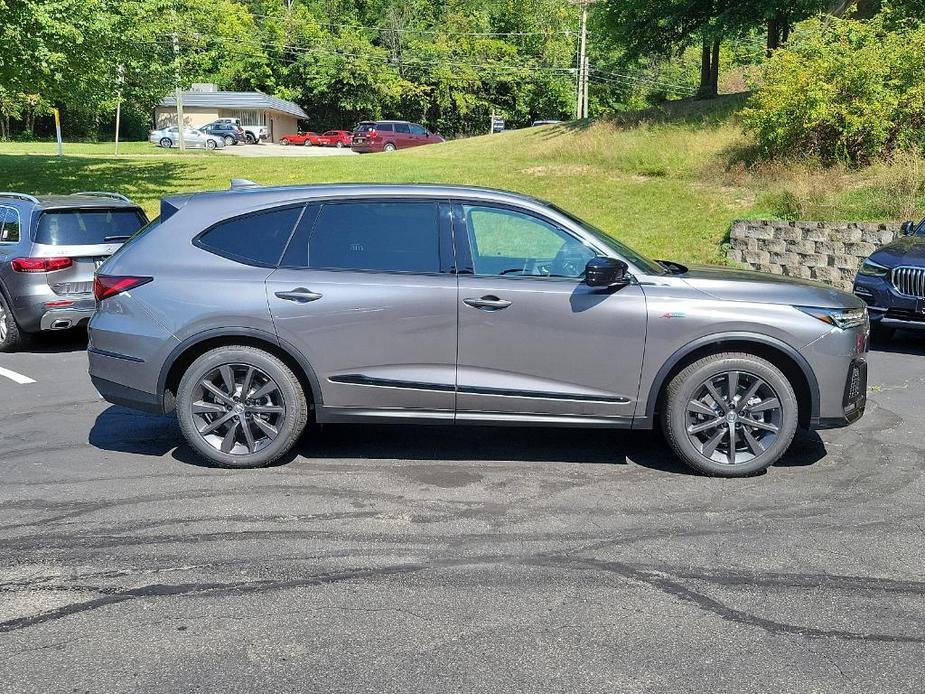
column 252, row 310
column 50, row 246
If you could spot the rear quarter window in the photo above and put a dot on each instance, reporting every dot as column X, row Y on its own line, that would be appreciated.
column 9, row 225
column 87, row 227
column 255, row 239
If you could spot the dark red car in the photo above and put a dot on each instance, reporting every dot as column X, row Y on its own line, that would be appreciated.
column 389, row 135
column 298, row 139
column 334, row 138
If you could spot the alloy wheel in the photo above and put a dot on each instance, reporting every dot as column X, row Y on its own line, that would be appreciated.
column 238, row 409
column 733, row 417
column 4, row 330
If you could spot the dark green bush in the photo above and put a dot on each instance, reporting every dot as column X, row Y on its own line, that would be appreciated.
column 844, row 89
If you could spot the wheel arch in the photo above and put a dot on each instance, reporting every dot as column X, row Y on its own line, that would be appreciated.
column 195, row 346
column 783, row 356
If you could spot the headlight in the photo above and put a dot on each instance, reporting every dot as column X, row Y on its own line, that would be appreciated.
column 872, row 269
column 843, row 318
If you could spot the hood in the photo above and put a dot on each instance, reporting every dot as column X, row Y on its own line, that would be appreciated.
column 906, row 250
column 731, row 284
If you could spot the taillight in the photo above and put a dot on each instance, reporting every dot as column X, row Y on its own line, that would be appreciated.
column 372, row 134
column 105, row 286
column 40, row 264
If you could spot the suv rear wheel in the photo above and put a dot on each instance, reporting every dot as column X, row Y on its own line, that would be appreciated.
column 389, row 147
column 240, row 407
column 11, row 337
column 730, row 415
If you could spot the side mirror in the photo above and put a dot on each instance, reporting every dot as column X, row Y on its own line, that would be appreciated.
column 606, row 272
column 907, row 228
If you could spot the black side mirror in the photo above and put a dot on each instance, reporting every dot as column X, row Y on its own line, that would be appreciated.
column 907, row 228
column 606, row 272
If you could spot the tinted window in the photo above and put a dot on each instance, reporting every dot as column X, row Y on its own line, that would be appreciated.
column 9, row 225
column 417, row 129
column 82, row 227
column 364, row 127
column 257, row 239
column 506, row 242
column 384, row 236
column 384, row 127
column 402, row 128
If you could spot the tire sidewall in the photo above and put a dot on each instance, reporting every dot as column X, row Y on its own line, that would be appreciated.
column 675, row 424
column 389, row 147
column 291, row 390
column 14, row 337
column 168, row 141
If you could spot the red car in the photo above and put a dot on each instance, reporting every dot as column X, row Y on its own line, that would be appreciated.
column 389, row 135
column 334, row 138
column 303, row 139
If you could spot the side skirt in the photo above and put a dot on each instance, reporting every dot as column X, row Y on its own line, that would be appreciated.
column 358, row 415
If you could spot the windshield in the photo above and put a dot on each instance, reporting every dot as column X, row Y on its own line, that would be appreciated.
column 650, row 267
column 87, row 226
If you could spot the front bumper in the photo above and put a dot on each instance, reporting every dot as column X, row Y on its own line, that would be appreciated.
column 887, row 307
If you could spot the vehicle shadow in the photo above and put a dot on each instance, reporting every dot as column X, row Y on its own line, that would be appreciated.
column 904, row 342
column 127, row 431
column 58, row 341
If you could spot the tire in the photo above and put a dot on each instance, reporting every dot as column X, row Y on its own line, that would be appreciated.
column 166, row 142
column 284, row 142
column 339, row 145
column 251, row 140
column 239, row 415
column 688, row 404
column 229, row 140
column 210, row 144
column 12, row 337
column 389, row 147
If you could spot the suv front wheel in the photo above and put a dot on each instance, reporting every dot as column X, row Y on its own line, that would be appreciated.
column 730, row 415
column 240, row 407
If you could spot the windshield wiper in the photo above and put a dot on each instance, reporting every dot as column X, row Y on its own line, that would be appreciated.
column 672, row 267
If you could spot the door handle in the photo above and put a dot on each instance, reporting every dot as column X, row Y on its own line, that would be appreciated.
column 488, row 303
column 300, row 295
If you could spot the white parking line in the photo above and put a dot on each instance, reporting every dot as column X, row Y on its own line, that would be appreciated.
column 13, row 376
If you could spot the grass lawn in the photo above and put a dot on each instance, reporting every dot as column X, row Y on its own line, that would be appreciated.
column 669, row 188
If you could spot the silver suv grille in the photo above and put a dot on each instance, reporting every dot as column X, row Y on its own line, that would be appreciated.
column 909, row 281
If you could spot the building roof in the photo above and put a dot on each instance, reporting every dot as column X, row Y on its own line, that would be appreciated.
column 257, row 100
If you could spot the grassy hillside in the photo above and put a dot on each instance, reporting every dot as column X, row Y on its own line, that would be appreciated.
column 667, row 182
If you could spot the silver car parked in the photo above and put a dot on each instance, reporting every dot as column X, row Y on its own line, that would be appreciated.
column 252, row 310
column 193, row 138
column 50, row 246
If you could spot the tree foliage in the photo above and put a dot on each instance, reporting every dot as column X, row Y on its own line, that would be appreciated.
column 844, row 90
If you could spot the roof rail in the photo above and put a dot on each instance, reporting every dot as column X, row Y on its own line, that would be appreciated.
column 20, row 196
column 237, row 183
column 103, row 194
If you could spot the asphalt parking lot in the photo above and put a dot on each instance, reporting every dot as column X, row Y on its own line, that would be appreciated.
column 454, row 560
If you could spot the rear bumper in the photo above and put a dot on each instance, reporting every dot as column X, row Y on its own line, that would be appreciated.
column 367, row 147
column 119, row 394
column 64, row 318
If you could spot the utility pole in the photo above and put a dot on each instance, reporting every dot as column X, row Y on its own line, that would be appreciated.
column 178, row 91
column 581, row 102
column 121, row 79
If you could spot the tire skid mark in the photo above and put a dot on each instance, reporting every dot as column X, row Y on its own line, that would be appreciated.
column 671, row 585
column 663, row 580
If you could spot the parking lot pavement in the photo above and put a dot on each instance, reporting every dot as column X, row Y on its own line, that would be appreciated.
column 272, row 149
column 454, row 560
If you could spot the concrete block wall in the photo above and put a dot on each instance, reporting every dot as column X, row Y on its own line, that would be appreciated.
column 828, row 252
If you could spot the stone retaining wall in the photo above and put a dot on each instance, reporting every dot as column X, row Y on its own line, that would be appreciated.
column 829, row 252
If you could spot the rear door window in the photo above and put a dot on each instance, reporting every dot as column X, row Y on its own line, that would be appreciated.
column 384, row 127
column 88, row 226
column 255, row 239
column 402, row 128
column 9, row 225
column 372, row 236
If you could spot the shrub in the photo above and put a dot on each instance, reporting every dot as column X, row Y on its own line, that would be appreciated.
column 845, row 89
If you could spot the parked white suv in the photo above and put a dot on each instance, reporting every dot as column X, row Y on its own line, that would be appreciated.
column 253, row 133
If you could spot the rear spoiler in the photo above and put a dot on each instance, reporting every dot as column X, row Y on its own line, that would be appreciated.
column 170, row 206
